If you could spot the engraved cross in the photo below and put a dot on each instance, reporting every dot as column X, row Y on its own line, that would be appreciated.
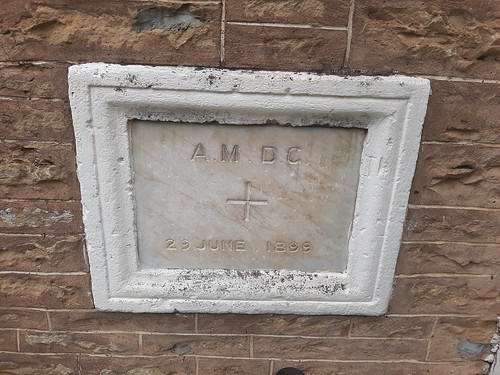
column 247, row 202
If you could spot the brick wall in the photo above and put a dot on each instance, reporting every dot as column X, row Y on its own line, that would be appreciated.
column 446, row 293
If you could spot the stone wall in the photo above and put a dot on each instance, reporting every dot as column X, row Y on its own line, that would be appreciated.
column 446, row 292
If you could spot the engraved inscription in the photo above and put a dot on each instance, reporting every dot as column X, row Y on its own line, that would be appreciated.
column 247, row 202
column 288, row 247
column 234, row 156
column 199, row 152
column 205, row 245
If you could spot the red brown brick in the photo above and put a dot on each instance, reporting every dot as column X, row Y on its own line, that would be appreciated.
column 392, row 327
column 453, row 258
column 23, row 318
column 43, row 291
column 462, row 112
column 313, row 12
column 34, row 364
column 338, row 348
column 34, row 170
column 278, row 48
column 274, row 324
column 111, row 31
column 30, row 80
column 114, row 321
column 35, row 120
column 457, row 338
column 212, row 366
column 44, row 217
column 42, row 253
column 228, row 346
column 447, row 295
column 65, row 342
column 8, row 340
column 449, row 224
column 441, row 37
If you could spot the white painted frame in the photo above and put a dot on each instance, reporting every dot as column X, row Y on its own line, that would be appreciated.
column 104, row 98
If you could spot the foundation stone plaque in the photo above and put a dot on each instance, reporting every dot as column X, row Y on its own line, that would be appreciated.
column 208, row 190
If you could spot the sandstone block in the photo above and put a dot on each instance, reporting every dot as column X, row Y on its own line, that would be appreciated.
column 456, row 339
column 441, row 37
column 31, row 217
column 457, row 175
column 230, row 346
column 211, row 366
column 338, row 348
column 278, row 48
column 41, row 120
column 8, row 340
column 112, row 321
column 447, row 295
column 69, row 292
column 34, row 364
column 34, row 170
column 312, row 12
column 453, row 258
column 145, row 32
column 274, row 325
column 23, row 318
column 34, row 80
column 392, row 327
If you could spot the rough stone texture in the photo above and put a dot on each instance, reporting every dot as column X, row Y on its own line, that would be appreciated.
column 441, row 37
column 463, row 112
column 453, row 258
column 104, row 31
column 404, row 368
column 212, row 366
column 34, row 170
column 274, row 325
column 42, row 254
column 71, row 292
column 31, row 217
column 23, row 318
column 44, row 80
column 447, row 295
column 100, row 321
column 230, row 346
column 29, row 364
column 312, row 12
column 446, row 224
column 457, row 338
column 36, row 120
column 338, row 348
column 8, row 341
column 63, row 342
column 286, row 48
column 131, row 365
column 392, row 327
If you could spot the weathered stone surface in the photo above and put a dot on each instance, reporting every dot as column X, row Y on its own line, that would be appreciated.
column 391, row 368
column 104, row 321
column 312, row 12
column 454, row 258
column 439, row 37
column 274, row 325
column 463, row 112
column 30, row 80
column 457, row 175
column 31, row 217
column 23, row 318
column 40, row 120
column 69, row 342
column 8, row 341
column 212, row 366
column 447, row 295
column 33, row 364
column 456, row 339
column 392, row 327
column 448, row 224
column 42, row 253
column 34, row 170
column 284, row 48
column 121, row 32
column 69, row 292
column 230, row 346
column 137, row 365
column 338, row 348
